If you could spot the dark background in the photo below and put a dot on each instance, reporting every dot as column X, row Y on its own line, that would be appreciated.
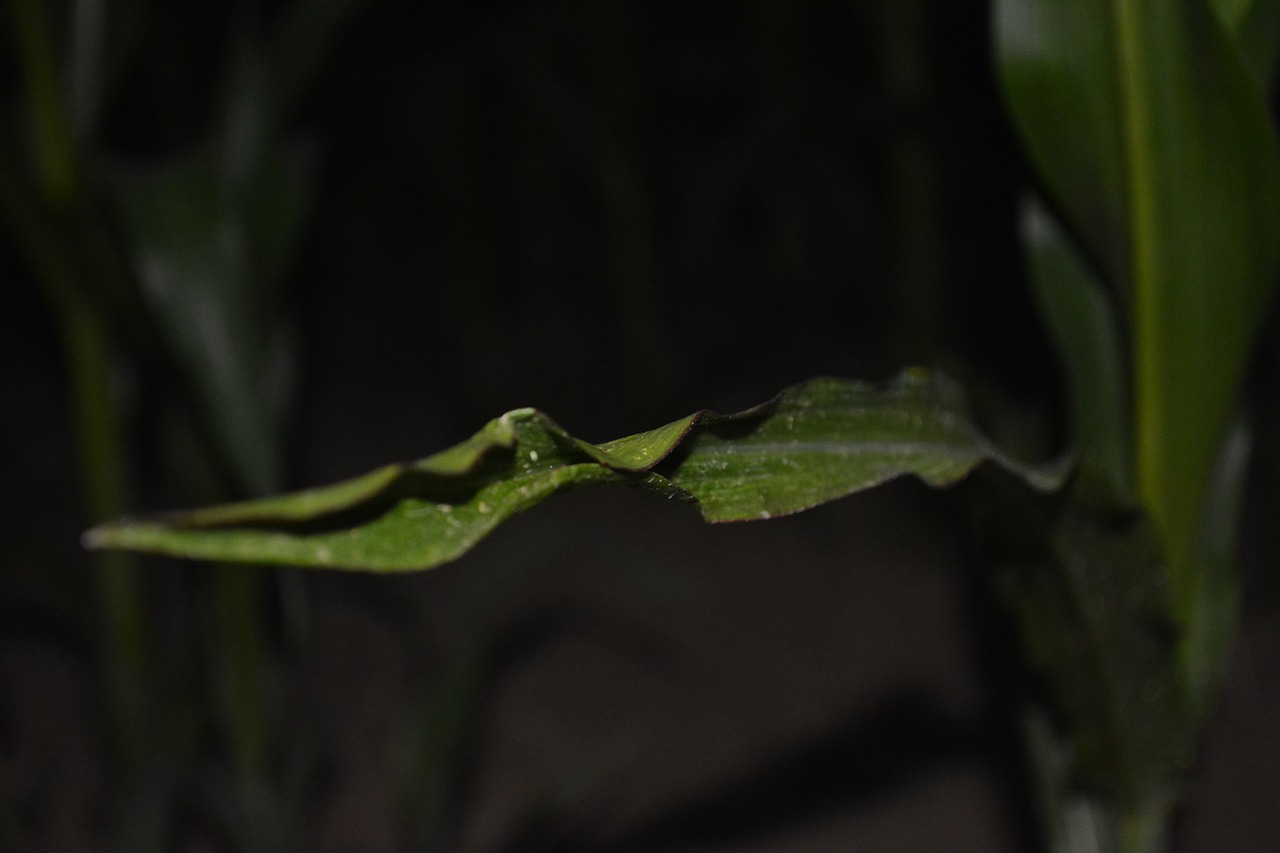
column 619, row 213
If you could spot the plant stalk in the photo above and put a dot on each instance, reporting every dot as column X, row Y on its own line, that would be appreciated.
column 88, row 356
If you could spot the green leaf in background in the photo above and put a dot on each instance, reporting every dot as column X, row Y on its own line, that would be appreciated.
column 1057, row 62
column 1081, row 319
column 211, row 232
column 1252, row 25
column 1204, row 180
column 1155, row 142
column 814, row 443
column 191, row 254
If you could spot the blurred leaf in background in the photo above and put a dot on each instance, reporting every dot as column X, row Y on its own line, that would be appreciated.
column 151, row 256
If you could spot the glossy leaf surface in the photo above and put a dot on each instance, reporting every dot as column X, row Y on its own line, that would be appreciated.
column 813, row 443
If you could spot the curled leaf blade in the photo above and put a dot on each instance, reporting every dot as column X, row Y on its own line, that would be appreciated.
column 829, row 438
column 812, row 444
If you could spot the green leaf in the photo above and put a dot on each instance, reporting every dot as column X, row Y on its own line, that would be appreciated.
column 1057, row 63
column 190, row 252
column 1217, row 604
column 211, row 232
column 1155, row 142
column 1206, row 224
column 1081, row 319
column 813, row 443
column 1254, row 25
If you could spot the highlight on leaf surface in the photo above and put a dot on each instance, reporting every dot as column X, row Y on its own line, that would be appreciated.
column 813, row 443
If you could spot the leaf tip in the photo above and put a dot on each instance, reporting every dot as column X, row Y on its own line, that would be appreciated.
column 93, row 539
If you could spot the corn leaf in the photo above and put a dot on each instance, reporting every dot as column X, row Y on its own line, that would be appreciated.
column 1080, row 317
column 1154, row 141
column 813, row 443
column 1253, row 25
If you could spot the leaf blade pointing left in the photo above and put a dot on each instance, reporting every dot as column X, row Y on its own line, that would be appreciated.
column 811, row 444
